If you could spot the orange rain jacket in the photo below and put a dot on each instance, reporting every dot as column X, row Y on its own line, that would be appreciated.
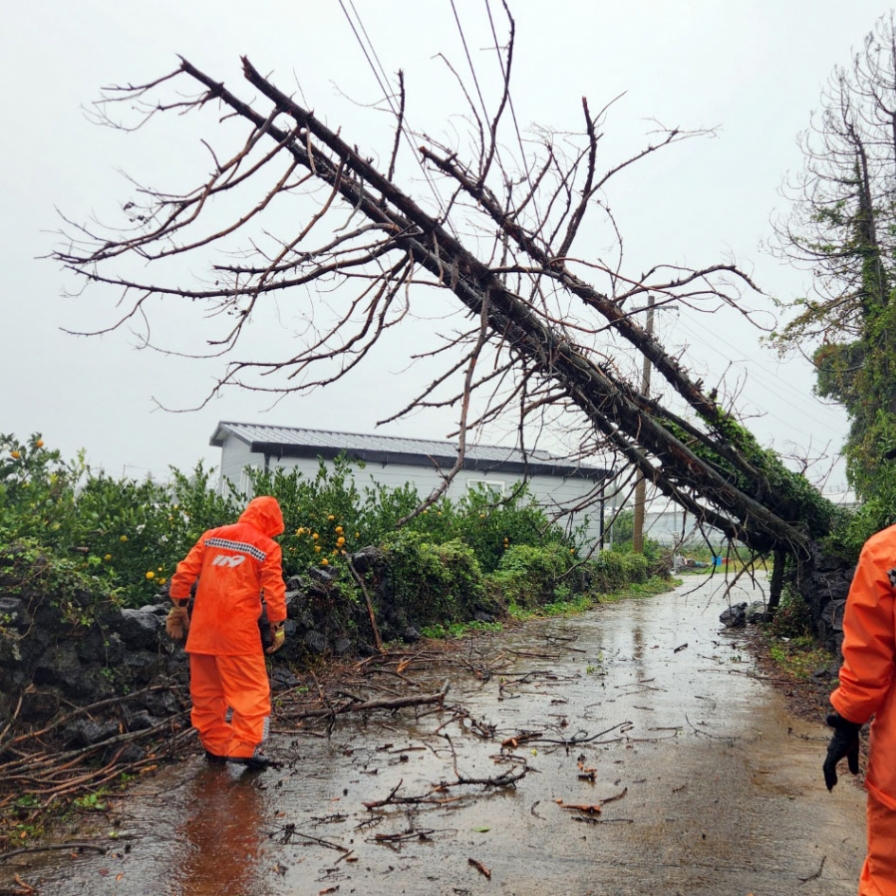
column 233, row 564
column 869, row 653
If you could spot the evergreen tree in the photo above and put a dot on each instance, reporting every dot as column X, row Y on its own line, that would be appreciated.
column 842, row 225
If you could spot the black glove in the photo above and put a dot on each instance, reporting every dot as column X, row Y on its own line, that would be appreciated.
column 844, row 743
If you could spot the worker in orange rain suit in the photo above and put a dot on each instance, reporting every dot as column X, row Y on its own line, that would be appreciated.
column 867, row 689
column 235, row 566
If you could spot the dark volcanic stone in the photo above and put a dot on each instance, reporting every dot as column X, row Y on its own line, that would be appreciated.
column 86, row 732
column 315, row 642
column 735, row 616
column 139, row 629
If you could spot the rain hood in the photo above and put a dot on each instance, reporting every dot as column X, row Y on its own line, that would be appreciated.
column 264, row 514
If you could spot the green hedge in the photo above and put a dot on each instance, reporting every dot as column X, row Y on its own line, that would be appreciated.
column 431, row 583
column 484, row 550
column 529, row 577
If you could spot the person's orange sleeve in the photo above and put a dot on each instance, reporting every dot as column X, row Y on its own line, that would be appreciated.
column 869, row 646
column 273, row 584
column 187, row 572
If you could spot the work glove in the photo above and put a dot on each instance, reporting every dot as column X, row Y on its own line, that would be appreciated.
column 844, row 744
column 178, row 623
column 278, row 637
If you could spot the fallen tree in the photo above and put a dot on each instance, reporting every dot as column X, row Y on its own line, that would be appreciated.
column 542, row 340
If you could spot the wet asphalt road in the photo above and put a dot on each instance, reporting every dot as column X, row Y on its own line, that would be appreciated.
column 705, row 784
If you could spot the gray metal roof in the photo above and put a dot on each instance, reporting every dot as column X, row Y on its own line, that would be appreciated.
column 290, row 441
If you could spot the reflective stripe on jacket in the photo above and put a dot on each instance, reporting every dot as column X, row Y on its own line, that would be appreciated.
column 233, row 564
column 869, row 652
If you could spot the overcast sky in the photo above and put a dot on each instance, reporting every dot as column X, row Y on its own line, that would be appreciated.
column 754, row 71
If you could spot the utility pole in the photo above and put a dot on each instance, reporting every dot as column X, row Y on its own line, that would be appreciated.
column 641, row 485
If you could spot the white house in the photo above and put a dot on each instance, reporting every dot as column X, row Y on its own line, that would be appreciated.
column 670, row 525
column 555, row 483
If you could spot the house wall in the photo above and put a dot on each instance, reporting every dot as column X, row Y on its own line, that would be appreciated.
column 674, row 526
column 235, row 457
column 550, row 491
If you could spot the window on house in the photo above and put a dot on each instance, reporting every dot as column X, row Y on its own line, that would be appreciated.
column 496, row 485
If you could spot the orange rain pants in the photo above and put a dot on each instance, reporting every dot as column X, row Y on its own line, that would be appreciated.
column 237, row 682
column 879, row 872
column 867, row 689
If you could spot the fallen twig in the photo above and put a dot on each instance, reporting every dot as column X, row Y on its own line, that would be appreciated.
column 817, row 874
column 289, row 831
column 706, row 733
column 485, row 872
column 582, row 737
column 587, row 808
column 506, row 779
column 26, row 850
column 26, row 888
column 376, row 632
column 368, row 705
column 411, row 834
column 618, row 796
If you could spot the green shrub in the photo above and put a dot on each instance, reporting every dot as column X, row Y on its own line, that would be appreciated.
column 432, row 583
column 37, row 490
column 792, row 619
column 609, row 570
column 33, row 574
column 635, row 568
column 323, row 523
column 651, row 549
column 621, row 526
column 126, row 536
column 492, row 524
column 529, row 577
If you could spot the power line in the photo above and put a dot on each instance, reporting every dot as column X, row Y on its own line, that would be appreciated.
column 382, row 80
column 776, row 384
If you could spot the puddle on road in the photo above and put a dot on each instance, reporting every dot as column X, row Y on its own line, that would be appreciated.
column 703, row 789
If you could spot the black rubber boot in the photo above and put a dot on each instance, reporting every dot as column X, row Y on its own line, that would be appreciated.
column 258, row 763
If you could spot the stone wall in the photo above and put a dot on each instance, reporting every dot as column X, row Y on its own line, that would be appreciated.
column 50, row 662
column 53, row 658
column 823, row 582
